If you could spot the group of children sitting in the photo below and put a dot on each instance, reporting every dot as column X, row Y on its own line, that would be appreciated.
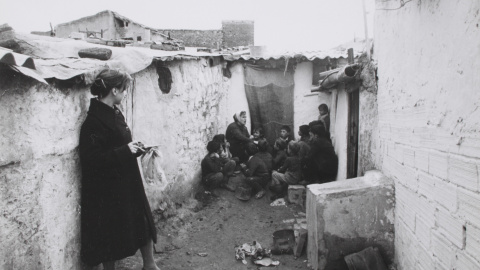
column 310, row 159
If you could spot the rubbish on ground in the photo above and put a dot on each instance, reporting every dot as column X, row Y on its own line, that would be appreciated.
column 368, row 259
column 288, row 221
column 300, row 240
column 266, row 262
column 283, row 242
column 254, row 250
column 202, row 254
column 278, row 202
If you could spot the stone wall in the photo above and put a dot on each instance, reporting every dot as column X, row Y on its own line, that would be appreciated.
column 238, row 33
column 429, row 118
column 197, row 38
column 39, row 165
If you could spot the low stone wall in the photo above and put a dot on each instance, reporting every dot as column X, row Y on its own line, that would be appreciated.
column 345, row 217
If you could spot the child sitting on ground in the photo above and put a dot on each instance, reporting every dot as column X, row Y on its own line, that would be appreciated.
column 289, row 174
column 256, row 171
column 285, row 133
column 264, row 155
column 215, row 173
column 258, row 135
column 280, row 153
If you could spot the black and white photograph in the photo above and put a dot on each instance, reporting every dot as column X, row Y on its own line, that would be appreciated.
column 240, row 135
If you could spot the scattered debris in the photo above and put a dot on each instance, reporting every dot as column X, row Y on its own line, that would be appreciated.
column 266, row 262
column 202, row 254
column 254, row 250
column 278, row 202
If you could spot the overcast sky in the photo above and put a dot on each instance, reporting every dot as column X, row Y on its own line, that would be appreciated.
column 292, row 24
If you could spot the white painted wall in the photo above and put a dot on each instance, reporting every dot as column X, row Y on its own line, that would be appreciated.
column 340, row 130
column 429, row 119
column 305, row 102
column 39, row 164
column 236, row 98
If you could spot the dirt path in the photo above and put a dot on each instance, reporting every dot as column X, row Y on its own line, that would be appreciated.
column 214, row 229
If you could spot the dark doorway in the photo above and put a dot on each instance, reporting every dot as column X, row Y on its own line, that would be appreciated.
column 352, row 145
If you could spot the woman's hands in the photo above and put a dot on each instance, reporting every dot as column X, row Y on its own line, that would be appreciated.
column 136, row 147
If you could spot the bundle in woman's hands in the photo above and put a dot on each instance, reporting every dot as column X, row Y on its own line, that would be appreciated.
column 152, row 167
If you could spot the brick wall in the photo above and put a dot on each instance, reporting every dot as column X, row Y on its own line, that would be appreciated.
column 197, row 38
column 238, row 33
column 428, row 124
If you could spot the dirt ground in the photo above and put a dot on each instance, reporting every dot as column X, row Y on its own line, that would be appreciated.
column 212, row 225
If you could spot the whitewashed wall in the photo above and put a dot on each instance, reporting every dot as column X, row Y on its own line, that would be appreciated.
column 428, row 106
column 39, row 164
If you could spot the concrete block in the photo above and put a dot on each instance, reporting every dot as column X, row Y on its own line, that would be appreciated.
column 300, row 241
column 409, row 157
column 469, row 206
column 464, row 261
column 443, row 250
column 423, row 231
column 348, row 216
column 421, row 160
column 450, row 227
column 296, row 194
column 446, row 195
column 463, row 172
column 426, row 185
column 438, row 164
column 472, row 246
column 424, row 258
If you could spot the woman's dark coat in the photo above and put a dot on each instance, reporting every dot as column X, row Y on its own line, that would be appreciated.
column 238, row 137
column 321, row 161
column 116, row 218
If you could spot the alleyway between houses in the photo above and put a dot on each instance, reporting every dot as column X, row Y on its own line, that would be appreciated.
column 212, row 225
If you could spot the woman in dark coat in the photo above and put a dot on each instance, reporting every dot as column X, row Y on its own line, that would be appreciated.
column 116, row 219
column 321, row 161
column 238, row 137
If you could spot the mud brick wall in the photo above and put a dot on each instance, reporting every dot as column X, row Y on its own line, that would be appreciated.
column 429, row 121
column 238, row 33
column 40, row 168
column 197, row 38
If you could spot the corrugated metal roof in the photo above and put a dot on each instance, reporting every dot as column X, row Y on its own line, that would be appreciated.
column 20, row 63
column 337, row 52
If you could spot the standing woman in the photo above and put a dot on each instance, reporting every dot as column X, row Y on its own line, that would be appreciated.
column 116, row 219
column 238, row 137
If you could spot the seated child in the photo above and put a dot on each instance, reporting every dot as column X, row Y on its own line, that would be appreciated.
column 258, row 135
column 264, row 155
column 285, row 133
column 280, row 154
column 215, row 172
column 256, row 172
column 290, row 173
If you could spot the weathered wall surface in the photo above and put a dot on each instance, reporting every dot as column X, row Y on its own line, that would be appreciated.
column 181, row 122
column 39, row 175
column 236, row 98
column 305, row 102
column 103, row 20
column 345, row 217
column 368, row 144
column 429, row 119
column 197, row 38
column 39, row 165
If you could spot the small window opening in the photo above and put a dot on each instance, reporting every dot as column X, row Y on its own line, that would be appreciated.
column 126, row 24
column 139, row 38
column 164, row 78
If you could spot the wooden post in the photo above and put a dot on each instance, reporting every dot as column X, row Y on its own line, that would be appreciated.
column 366, row 29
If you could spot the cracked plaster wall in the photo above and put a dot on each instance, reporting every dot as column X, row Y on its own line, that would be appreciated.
column 39, row 164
